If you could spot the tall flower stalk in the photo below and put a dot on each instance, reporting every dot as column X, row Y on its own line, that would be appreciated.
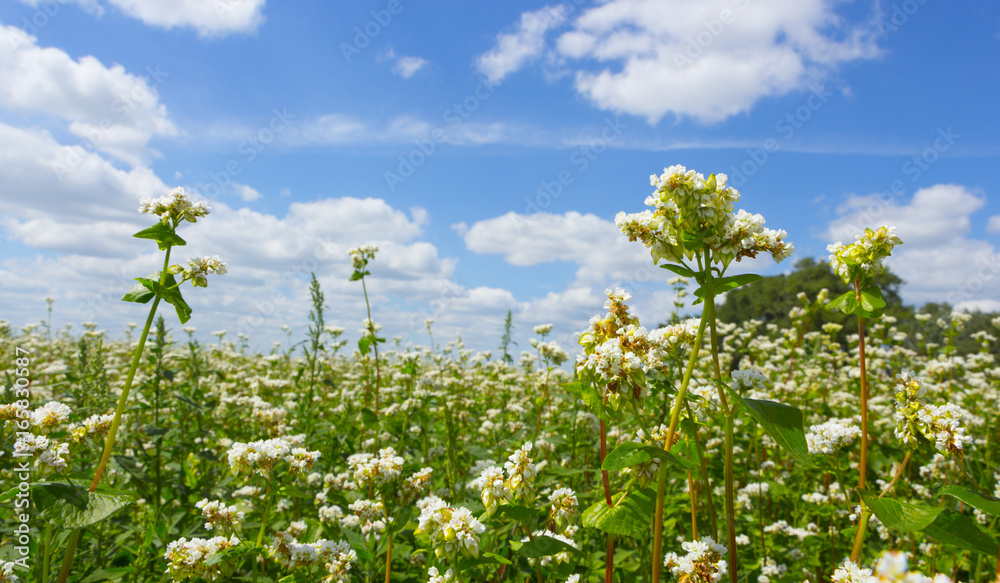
column 693, row 229
column 360, row 256
column 172, row 210
column 858, row 264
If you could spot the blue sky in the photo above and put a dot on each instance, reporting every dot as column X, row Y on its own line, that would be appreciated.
column 440, row 131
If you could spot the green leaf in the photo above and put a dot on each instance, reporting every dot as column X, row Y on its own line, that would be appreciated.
column 170, row 294
column 728, row 283
column 986, row 504
column 678, row 269
column 484, row 559
column 139, row 294
column 591, row 398
column 542, row 546
column 938, row 522
column 518, row 513
column 872, row 303
column 782, row 422
column 131, row 465
column 72, row 508
column 163, row 235
column 631, row 453
column 368, row 417
column 845, row 302
column 630, row 516
column 363, row 344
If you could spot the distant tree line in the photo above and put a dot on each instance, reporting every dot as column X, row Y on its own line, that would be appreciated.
column 772, row 298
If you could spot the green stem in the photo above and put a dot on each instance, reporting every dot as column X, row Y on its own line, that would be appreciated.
column 371, row 324
column 730, row 419
column 863, row 465
column 116, row 421
column 661, row 481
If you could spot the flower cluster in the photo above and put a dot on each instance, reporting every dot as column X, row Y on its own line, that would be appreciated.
column 337, row 557
column 647, row 471
column 453, row 531
column 49, row 454
column 50, row 414
column 260, row 457
column 417, row 485
column 493, row 490
column 615, row 349
column 370, row 470
column 199, row 268
column 831, row 435
column 745, row 380
column 850, row 572
column 520, row 473
column 360, row 256
column 703, row 563
column 218, row 516
column 7, row 573
column 93, row 426
column 941, row 424
column 193, row 558
column 861, row 261
column 174, row 207
column 562, row 507
column 687, row 206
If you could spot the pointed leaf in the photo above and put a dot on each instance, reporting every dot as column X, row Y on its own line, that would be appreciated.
column 363, row 344
column 631, row 453
column 872, row 302
column 941, row 523
column 845, row 302
column 517, row 513
column 169, row 294
column 542, row 546
column 729, row 283
column 591, row 398
column 368, row 417
column 987, row 504
column 782, row 422
column 139, row 294
column 162, row 234
column 678, row 269
column 73, row 510
column 628, row 517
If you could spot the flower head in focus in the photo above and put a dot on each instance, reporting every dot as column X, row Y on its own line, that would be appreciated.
column 175, row 207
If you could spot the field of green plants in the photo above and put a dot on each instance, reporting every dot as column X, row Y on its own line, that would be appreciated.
column 689, row 450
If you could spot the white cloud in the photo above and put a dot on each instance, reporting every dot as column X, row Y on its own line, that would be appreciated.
column 88, row 6
column 108, row 108
column 247, row 193
column 708, row 60
column 994, row 225
column 407, row 67
column 938, row 260
column 515, row 49
column 211, row 18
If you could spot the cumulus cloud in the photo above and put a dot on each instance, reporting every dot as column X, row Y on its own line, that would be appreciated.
column 939, row 259
column 407, row 67
column 213, row 18
column 513, row 50
column 108, row 108
column 708, row 60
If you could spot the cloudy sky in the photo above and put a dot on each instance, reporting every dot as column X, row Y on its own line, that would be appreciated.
column 484, row 147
